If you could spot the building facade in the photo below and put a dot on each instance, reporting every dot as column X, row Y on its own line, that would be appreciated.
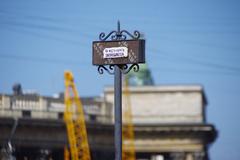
column 169, row 123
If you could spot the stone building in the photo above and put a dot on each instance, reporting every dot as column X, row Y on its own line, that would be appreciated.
column 169, row 123
column 174, row 119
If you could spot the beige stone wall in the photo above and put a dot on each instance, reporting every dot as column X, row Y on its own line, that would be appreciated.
column 150, row 105
column 162, row 104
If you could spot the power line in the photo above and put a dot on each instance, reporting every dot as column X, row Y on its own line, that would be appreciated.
column 62, row 29
column 192, row 71
column 68, row 62
column 200, row 43
column 51, row 20
column 195, row 61
column 41, row 59
column 45, row 28
column 41, row 35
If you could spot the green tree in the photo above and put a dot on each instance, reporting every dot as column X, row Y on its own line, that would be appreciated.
column 141, row 78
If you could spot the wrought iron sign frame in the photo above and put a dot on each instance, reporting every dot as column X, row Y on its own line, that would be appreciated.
column 119, row 35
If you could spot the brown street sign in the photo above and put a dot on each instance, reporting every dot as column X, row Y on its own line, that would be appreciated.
column 118, row 52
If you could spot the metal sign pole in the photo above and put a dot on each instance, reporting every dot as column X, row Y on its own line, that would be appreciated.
column 118, row 112
column 118, row 106
column 121, row 55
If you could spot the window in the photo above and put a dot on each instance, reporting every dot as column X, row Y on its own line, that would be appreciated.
column 60, row 115
column 92, row 118
column 26, row 114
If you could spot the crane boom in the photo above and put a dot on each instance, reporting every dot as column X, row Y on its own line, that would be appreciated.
column 128, row 147
column 75, row 121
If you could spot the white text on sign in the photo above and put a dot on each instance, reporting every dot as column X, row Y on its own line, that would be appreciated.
column 115, row 52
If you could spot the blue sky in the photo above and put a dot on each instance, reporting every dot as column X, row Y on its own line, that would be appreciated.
column 187, row 42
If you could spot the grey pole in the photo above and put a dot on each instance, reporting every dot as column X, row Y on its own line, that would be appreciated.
column 118, row 112
column 119, row 68
column 118, row 106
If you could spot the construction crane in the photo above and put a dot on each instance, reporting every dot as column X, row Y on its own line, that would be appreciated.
column 128, row 148
column 75, row 121
column 66, row 153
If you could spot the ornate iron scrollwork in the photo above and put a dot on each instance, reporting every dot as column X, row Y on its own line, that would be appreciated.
column 104, row 37
column 101, row 69
column 119, row 35
column 135, row 35
column 125, row 68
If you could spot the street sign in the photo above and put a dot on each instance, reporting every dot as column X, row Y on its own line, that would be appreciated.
column 118, row 52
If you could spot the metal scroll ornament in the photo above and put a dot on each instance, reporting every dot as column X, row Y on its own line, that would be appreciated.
column 119, row 35
column 101, row 69
column 127, row 68
column 114, row 36
column 124, row 68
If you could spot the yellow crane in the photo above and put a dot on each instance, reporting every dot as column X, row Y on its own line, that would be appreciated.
column 75, row 122
column 128, row 147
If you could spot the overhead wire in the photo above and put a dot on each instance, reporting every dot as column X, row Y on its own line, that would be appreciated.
column 45, row 27
column 42, row 59
column 60, row 29
column 198, row 71
column 56, row 21
column 41, row 35
column 199, row 43
column 194, row 60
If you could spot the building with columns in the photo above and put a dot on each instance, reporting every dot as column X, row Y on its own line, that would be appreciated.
column 169, row 123
column 174, row 120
